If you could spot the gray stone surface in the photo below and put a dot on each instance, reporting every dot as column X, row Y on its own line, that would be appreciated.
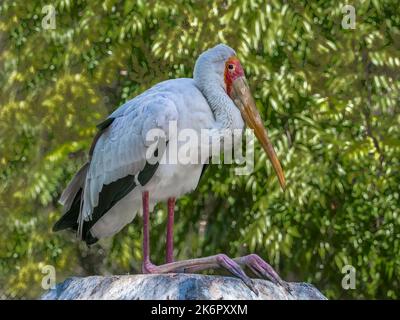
column 175, row 287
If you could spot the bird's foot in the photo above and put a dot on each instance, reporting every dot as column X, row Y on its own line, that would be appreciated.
column 227, row 263
column 262, row 269
column 199, row 264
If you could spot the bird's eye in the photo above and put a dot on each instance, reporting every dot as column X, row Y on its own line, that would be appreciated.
column 231, row 67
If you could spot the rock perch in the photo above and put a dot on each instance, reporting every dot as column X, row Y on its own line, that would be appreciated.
column 175, row 287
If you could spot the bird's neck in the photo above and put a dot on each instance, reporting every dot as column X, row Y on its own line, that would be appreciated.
column 226, row 114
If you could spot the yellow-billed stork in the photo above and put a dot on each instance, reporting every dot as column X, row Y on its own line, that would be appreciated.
column 118, row 181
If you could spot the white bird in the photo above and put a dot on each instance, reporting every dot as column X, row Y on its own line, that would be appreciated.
column 119, row 181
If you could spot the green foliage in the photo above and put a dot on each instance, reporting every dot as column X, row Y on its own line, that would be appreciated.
column 330, row 98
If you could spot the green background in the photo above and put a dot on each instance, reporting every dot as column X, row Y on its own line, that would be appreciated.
column 329, row 97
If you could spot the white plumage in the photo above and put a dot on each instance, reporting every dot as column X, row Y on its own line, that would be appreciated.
column 199, row 103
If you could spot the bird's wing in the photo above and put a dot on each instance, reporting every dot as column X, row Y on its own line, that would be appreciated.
column 121, row 150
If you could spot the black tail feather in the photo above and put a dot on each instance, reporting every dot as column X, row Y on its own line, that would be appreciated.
column 70, row 219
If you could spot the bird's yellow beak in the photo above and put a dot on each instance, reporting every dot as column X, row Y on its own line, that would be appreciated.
column 243, row 99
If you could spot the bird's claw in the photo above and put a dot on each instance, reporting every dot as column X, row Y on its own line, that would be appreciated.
column 263, row 270
column 227, row 263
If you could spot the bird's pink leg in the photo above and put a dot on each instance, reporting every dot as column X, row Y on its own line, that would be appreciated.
column 146, row 240
column 217, row 261
column 252, row 261
column 195, row 265
column 257, row 265
column 170, row 231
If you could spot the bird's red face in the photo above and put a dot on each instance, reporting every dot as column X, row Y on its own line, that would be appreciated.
column 239, row 91
column 233, row 70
